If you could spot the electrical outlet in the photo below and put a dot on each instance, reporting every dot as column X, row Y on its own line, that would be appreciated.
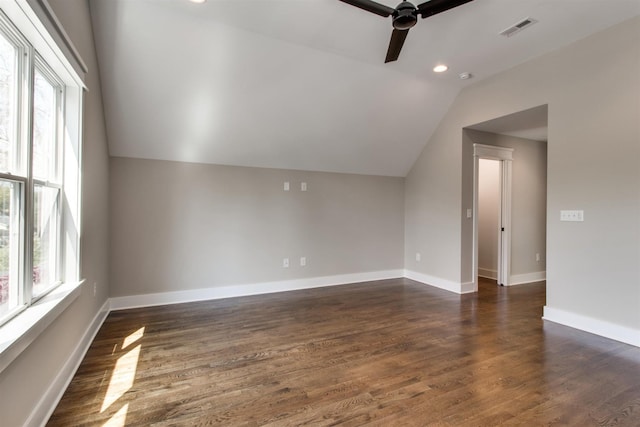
column 285, row 263
column 538, row 257
column 418, row 256
column 95, row 288
column 286, row 186
column 303, row 186
column 303, row 261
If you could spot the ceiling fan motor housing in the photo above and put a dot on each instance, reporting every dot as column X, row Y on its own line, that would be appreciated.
column 405, row 16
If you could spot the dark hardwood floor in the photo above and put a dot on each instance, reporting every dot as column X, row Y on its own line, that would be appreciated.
column 388, row 353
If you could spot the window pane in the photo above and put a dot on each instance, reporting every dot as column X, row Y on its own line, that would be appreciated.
column 46, row 240
column 44, row 128
column 8, row 97
column 9, row 246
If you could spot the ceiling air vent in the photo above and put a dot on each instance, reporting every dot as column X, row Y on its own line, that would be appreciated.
column 516, row 28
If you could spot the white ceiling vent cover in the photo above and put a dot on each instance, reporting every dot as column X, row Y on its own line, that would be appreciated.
column 516, row 28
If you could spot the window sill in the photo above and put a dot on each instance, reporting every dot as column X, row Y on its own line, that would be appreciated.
column 17, row 334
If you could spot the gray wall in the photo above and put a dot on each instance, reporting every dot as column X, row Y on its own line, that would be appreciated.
column 23, row 383
column 183, row 226
column 591, row 88
column 528, row 201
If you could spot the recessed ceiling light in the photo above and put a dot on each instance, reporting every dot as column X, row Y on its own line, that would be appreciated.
column 197, row 1
column 465, row 76
column 440, row 68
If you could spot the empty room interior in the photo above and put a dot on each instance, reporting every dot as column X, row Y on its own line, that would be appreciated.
column 319, row 212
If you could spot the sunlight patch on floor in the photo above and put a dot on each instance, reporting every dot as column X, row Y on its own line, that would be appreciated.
column 124, row 374
column 119, row 419
column 133, row 338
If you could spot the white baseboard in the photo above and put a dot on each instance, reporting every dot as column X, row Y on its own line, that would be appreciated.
column 487, row 273
column 176, row 297
column 521, row 279
column 447, row 285
column 589, row 324
column 51, row 397
column 467, row 287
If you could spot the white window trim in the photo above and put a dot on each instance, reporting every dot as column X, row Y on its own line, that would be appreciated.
column 22, row 330
column 17, row 334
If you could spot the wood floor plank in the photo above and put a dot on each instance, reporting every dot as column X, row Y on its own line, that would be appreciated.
column 383, row 353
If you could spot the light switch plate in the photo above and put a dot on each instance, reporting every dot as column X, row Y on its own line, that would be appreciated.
column 575, row 216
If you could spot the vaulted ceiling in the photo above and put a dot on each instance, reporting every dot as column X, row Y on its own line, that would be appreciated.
column 302, row 84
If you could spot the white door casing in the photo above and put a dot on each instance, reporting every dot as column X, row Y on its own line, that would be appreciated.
column 505, row 157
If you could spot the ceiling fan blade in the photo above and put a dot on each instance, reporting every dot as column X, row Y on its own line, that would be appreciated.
column 371, row 6
column 433, row 7
column 395, row 45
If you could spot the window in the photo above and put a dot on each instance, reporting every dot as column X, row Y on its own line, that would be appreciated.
column 33, row 128
column 47, row 188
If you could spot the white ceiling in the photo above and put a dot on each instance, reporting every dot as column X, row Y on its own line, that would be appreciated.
column 302, row 84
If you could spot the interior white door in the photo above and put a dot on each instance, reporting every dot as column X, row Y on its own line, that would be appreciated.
column 504, row 237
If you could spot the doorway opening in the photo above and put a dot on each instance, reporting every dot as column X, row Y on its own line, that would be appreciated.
column 492, row 204
column 489, row 225
column 517, row 144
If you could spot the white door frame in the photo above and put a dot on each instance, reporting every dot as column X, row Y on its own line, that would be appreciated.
column 505, row 157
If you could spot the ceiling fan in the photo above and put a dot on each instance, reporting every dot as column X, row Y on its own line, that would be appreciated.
column 405, row 16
